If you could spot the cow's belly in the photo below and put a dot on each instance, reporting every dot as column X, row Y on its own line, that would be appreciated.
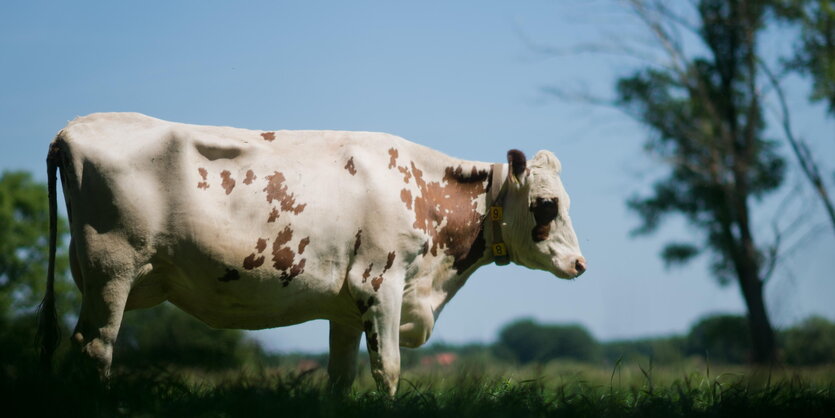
column 251, row 300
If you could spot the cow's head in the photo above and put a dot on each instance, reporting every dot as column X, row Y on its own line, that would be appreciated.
column 537, row 227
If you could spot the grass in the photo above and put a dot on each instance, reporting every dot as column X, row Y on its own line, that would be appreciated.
column 558, row 389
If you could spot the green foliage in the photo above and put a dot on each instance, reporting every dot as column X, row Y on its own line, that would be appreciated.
column 24, row 228
column 721, row 338
column 526, row 341
column 811, row 342
column 678, row 253
column 814, row 55
column 666, row 350
column 165, row 336
column 688, row 136
column 706, row 124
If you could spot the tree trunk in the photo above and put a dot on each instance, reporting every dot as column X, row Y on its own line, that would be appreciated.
column 763, row 346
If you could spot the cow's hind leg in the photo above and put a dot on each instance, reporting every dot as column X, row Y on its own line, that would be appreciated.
column 102, row 306
column 342, row 362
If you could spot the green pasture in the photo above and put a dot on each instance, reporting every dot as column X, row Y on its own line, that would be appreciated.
column 558, row 388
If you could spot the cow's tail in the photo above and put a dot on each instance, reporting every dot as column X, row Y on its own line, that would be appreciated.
column 49, row 333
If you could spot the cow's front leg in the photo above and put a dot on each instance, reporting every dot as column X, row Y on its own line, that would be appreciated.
column 381, row 323
column 342, row 362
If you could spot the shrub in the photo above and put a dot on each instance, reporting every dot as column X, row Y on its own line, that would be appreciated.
column 811, row 342
column 164, row 335
column 665, row 350
column 526, row 341
column 723, row 338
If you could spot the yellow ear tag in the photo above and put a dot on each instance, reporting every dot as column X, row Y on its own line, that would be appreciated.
column 499, row 249
column 496, row 213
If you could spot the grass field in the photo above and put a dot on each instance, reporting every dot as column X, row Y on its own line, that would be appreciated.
column 470, row 390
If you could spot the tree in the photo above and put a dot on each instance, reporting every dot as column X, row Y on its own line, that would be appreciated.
column 815, row 57
column 658, row 350
column 165, row 335
column 706, row 121
column 811, row 342
column 815, row 54
column 722, row 338
column 24, row 228
column 24, row 221
column 527, row 341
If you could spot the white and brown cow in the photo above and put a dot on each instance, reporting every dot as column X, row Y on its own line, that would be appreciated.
column 261, row 229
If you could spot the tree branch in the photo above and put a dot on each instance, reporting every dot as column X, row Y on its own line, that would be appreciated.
column 799, row 148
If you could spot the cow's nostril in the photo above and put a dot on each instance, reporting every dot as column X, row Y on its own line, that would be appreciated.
column 580, row 265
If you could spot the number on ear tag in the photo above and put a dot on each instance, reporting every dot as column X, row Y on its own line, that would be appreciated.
column 496, row 213
column 499, row 249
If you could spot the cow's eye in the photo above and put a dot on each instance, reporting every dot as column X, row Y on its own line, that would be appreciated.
column 544, row 210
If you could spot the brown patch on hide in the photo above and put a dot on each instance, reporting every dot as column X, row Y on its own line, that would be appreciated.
column 475, row 252
column 284, row 257
column 273, row 215
column 392, row 158
column 393, row 155
column 350, row 166
column 367, row 272
column 204, row 175
column 296, row 269
column 358, row 241
column 277, row 190
column 406, row 197
column 268, row 136
column 389, row 262
column 365, row 306
column 302, row 244
column 406, row 174
column 252, row 261
column 250, row 177
column 228, row 182
column 377, row 281
column 425, row 248
column 447, row 212
column 231, row 274
column 371, row 338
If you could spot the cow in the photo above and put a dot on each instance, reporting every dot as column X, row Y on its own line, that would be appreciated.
column 259, row 229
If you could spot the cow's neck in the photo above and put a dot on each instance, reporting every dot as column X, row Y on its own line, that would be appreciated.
column 469, row 245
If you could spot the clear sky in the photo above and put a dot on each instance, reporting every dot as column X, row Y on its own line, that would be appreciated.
column 455, row 76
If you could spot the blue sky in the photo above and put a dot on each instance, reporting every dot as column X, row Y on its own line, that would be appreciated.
column 455, row 76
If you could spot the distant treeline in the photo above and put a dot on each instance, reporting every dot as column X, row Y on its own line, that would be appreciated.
column 717, row 338
column 165, row 336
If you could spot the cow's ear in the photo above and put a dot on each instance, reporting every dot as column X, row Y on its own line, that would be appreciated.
column 548, row 160
column 517, row 162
